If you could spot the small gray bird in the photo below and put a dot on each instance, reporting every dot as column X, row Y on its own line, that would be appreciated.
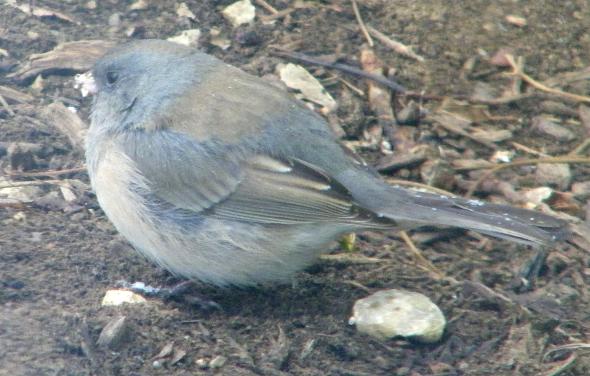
column 218, row 176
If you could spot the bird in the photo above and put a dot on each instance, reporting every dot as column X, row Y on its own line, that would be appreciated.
column 221, row 177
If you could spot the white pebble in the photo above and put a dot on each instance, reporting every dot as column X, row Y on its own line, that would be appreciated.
column 118, row 297
column 394, row 313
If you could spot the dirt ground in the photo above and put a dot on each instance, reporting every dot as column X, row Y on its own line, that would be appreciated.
column 507, row 305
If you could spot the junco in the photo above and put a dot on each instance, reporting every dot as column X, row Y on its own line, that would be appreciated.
column 218, row 176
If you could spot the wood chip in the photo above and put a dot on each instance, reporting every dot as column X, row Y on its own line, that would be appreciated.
column 41, row 12
column 114, row 334
column 298, row 78
column 76, row 56
column 548, row 126
column 516, row 20
column 67, row 122
column 14, row 96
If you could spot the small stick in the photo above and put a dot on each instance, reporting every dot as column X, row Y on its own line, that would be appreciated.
column 394, row 45
column 267, row 6
column 527, row 149
column 342, row 67
column 48, row 172
column 358, row 91
column 536, row 84
column 359, row 19
column 580, row 148
column 30, row 183
column 524, row 162
column 6, row 106
column 422, row 261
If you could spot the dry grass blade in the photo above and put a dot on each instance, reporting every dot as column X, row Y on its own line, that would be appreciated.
column 398, row 47
column 537, row 85
column 423, row 262
column 361, row 23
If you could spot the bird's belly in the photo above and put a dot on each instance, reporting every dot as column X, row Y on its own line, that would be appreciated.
column 215, row 251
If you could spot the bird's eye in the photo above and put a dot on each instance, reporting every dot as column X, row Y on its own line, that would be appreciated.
column 112, row 77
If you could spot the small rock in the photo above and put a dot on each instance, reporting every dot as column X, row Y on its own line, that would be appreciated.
column 217, row 39
column 26, row 193
column 187, row 38
column 33, row 35
column 202, row 363
column 19, row 216
column 38, row 85
column 217, row 362
column 581, row 189
column 114, row 334
column 139, row 5
column 118, row 297
column 114, row 20
column 502, row 156
column 91, row 5
column 392, row 313
column 535, row 196
column 184, row 12
column 547, row 126
column 239, row 13
column 557, row 175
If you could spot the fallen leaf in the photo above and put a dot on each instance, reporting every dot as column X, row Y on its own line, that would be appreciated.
column 297, row 77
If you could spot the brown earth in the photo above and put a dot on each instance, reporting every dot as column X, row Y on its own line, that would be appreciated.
column 58, row 259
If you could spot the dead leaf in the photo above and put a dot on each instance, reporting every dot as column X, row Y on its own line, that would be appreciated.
column 75, row 56
column 298, row 78
column 42, row 12
column 68, row 123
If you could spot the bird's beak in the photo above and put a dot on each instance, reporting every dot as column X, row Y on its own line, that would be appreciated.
column 85, row 83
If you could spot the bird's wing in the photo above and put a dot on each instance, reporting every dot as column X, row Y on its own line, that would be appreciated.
column 217, row 181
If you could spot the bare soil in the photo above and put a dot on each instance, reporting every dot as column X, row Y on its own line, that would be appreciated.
column 58, row 258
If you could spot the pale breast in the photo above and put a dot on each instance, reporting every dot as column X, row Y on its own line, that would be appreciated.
column 113, row 178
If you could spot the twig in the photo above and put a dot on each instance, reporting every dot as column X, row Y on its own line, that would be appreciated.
column 359, row 19
column 267, row 6
column 351, row 258
column 524, row 162
column 48, row 172
column 30, row 183
column 563, row 366
column 394, row 45
column 580, row 148
column 341, row 67
column 358, row 285
column 422, row 261
column 6, row 106
column 355, row 89
column 527, row 149
column 536, row 84
column 569, row 346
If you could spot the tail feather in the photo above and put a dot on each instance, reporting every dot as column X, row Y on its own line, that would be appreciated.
column 414, row 208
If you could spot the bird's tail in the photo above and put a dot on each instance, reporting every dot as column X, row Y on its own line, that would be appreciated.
column 412, row 208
